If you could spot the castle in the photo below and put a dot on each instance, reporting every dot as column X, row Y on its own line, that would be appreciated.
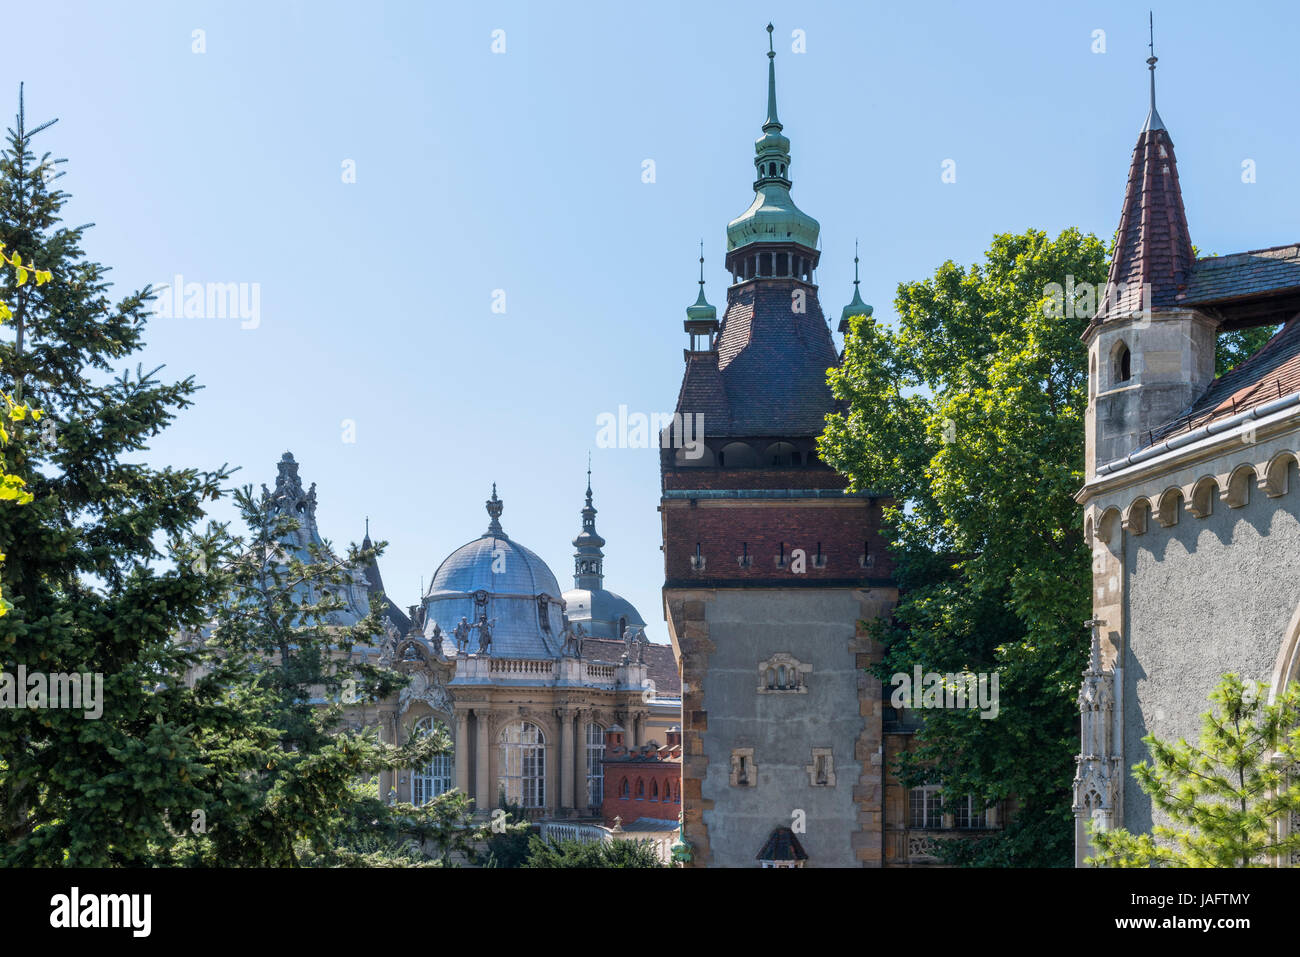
column 1190, row 504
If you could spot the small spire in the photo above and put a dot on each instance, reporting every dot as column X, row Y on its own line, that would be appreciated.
column 365, row 542
column 771, row 121
column 588, row 478
column 1153, row 118
column 494, row 508
column 857, row 307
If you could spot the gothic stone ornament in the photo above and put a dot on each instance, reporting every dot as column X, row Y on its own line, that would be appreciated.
column 436, row 637
column 427, row 688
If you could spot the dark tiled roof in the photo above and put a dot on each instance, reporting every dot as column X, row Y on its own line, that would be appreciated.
column 1253, row 273
column 376, row 582
column 771, row 365
column 1271, row 373
column 782, row 845
column 1152, row 244
column 660, row 662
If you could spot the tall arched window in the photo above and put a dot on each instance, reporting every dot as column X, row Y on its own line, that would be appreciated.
column 1123, row 364
column 595, row 764
column 640, row 789
column 523, row 764
column 435, row 777
column 654, row 790
column 623, row 789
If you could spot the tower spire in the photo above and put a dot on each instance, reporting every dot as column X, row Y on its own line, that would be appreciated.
column 1153, row 259
column 857, row 307
column 701, row 318
column 771, row 122
column 588, row 559
column 1153, row 118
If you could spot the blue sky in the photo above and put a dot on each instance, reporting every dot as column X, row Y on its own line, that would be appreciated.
column 522, row 171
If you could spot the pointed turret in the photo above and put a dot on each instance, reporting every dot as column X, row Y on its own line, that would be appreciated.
column 701, row 318
column 1153, row 250
column 588, row 559
column 857, row 307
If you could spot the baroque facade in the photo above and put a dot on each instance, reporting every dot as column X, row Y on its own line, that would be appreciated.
column 1190, row 504
column 525, row 690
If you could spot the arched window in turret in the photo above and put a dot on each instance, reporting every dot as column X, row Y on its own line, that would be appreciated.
column 1122, row 364
column 640, row 789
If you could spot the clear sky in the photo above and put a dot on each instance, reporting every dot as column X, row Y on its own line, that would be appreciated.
column 522, row 171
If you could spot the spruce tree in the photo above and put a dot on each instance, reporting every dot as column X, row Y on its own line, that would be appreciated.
column 81, row 570
column 1231, row 800
column 292, row 782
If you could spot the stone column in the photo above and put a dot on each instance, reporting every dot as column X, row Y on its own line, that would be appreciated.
column 462, row 751
column 567, row 761
column 483, row 734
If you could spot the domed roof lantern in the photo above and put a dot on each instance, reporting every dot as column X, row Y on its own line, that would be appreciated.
column 857, row 307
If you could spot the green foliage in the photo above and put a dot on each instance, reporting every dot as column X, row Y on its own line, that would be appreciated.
column 617, row 853
column 281, row 786
column 1230, row 798
column 1234, row 347
column 971, row 414
column 80, row 556
column 508, row 835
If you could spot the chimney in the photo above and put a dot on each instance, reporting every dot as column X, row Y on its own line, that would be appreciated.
column 675, row 736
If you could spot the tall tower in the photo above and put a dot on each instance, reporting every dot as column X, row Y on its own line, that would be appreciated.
column 770, row 563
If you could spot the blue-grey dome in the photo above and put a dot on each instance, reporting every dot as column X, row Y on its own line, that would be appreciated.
column 495, row 577
column 600, row 611
column 493, row 563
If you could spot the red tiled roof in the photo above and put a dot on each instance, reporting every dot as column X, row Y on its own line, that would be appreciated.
column 1271, row 373
column 1152, row 244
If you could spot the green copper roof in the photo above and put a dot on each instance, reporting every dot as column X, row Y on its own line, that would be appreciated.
column 857, row 307
column 772, row 217
column 701, row 310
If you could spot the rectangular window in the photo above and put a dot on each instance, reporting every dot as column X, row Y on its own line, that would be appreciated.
column 925, row 807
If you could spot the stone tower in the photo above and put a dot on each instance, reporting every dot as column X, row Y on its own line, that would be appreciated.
column 770, row 563
column 1149, row 354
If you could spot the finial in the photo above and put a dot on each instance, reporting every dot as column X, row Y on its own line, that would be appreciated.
column 1153, row 118
column 772, row 122
column 367, row 526
column 588, row 476
column 855, row 261
column 701, row 264
column 494, row 508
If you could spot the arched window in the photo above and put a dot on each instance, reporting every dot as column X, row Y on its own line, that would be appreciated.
column 595, row 765
column 622, row 627
column 738, row 455
column 523, row 764
column 435, row 777
column 623, row 789
column 1123, row 364
column 654, row 790
column 771, row 679
column 640, row 789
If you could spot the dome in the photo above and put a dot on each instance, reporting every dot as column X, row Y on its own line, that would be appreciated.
column 773, row 218
column 494, row 564
column 498, row 579
column 599, row 611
